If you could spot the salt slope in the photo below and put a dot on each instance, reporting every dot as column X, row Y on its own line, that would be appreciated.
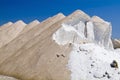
column 9, row 33
column 28, row 52
column 90, row 60
column 40, row 58
column 30, row 26
column 22, row 39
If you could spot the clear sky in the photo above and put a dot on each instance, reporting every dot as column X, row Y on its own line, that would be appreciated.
column 29, row 10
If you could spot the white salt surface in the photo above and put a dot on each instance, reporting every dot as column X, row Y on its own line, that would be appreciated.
column 90, row 60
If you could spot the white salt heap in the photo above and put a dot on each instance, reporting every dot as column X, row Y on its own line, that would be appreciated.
column 73, row 47
column 92, row 56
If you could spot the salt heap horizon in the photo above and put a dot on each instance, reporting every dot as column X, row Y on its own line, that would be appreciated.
column 93, row 56
column 73, row 47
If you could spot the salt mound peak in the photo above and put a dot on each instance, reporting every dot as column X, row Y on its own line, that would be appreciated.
column 97, row 19
column 36, row 21
column 77, row 16
column 20, row 22
column 60, row 15
column 81, row 14
column 10, row 23
column 7, row 24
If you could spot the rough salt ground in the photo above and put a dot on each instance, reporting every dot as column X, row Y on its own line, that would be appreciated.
column 92, row 62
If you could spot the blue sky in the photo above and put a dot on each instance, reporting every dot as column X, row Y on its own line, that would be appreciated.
column 29, row 10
